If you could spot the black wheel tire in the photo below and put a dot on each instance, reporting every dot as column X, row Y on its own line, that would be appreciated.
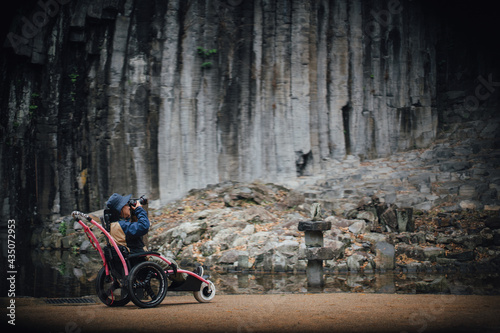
column 110, row 291
column 147, row 284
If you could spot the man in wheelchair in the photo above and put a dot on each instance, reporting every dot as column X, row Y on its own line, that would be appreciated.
column 124, row 231
column 129, row 233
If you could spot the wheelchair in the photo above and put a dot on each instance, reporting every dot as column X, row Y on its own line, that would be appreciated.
column 143, row 278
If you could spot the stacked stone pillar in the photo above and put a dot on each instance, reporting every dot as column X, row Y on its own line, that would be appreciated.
column 315, row 252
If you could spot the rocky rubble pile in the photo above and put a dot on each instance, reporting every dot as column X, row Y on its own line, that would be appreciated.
column 253, row 227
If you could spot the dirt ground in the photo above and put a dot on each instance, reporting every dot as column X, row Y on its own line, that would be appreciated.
column 349, row 312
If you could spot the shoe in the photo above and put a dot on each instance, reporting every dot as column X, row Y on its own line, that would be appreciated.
column 198, row 271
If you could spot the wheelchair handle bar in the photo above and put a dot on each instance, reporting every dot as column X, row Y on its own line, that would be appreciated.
column 77, row 213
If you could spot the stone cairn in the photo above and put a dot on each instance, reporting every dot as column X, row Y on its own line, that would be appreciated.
column 315, row 252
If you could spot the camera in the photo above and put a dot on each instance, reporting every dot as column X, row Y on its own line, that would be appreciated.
column 142, row 200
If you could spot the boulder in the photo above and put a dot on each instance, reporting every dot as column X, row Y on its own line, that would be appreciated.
column 188, row 232
column 373, row 237
column 338, row 222
column 389, row 219
column 337, row 247
column 256, row 214
column 225, row 238
column 384, row 256
column 208, row 248
column 279, row 262
column 248, row 230
column 293, row 199
column 411, row 251
column 264, row 261
column 439, row 285
column 261, row 237
column 469, row 204
column 354, row 262
column 244, row 262
column 231, row 256
column 288, row 248
column 358, row 227
column 492, row 222
column 368, row 216
column 432, row 253
column 405, row 219
column 461, row 256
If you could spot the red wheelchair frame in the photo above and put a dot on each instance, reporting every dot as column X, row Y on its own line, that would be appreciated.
column 145, row 283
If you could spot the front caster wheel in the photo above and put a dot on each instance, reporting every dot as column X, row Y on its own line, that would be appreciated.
column 147, row 284
column 206, row 293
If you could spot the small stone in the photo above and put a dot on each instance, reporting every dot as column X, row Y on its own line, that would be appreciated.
column 468, row 204
column 77, row 272
column 487, row 234
column 85, row 245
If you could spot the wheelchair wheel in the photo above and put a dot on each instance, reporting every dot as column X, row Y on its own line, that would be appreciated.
column 110, row 291
column 206, row 293
column 147, row 284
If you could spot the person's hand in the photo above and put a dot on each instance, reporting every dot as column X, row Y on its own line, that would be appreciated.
column 137, row 204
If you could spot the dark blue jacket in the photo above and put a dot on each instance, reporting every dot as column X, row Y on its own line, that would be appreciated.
column 129, row 233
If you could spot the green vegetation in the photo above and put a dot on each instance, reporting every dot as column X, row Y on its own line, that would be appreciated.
column 73, row 77
column 33, row 104
column 63, row 228
column 206, row 54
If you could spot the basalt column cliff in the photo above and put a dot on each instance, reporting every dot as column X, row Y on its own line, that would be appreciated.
column 159, row 97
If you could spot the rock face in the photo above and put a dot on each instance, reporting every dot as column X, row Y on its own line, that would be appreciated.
column 157, row 97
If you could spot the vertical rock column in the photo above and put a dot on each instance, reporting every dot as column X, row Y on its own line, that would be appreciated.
column 315, row 252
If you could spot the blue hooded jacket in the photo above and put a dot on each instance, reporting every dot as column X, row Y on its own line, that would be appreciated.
column 129, row 233
column 124, row 231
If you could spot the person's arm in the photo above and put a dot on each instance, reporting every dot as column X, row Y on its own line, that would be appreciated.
column 139, row 228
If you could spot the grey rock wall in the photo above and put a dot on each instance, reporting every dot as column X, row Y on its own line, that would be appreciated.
column 112, row 96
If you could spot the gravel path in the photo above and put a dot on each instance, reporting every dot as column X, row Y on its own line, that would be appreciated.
column 349, row 312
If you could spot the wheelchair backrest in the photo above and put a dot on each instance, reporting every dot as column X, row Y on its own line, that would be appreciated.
column 109, row 217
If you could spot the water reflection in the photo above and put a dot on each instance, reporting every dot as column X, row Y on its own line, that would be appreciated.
column 67, row 274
